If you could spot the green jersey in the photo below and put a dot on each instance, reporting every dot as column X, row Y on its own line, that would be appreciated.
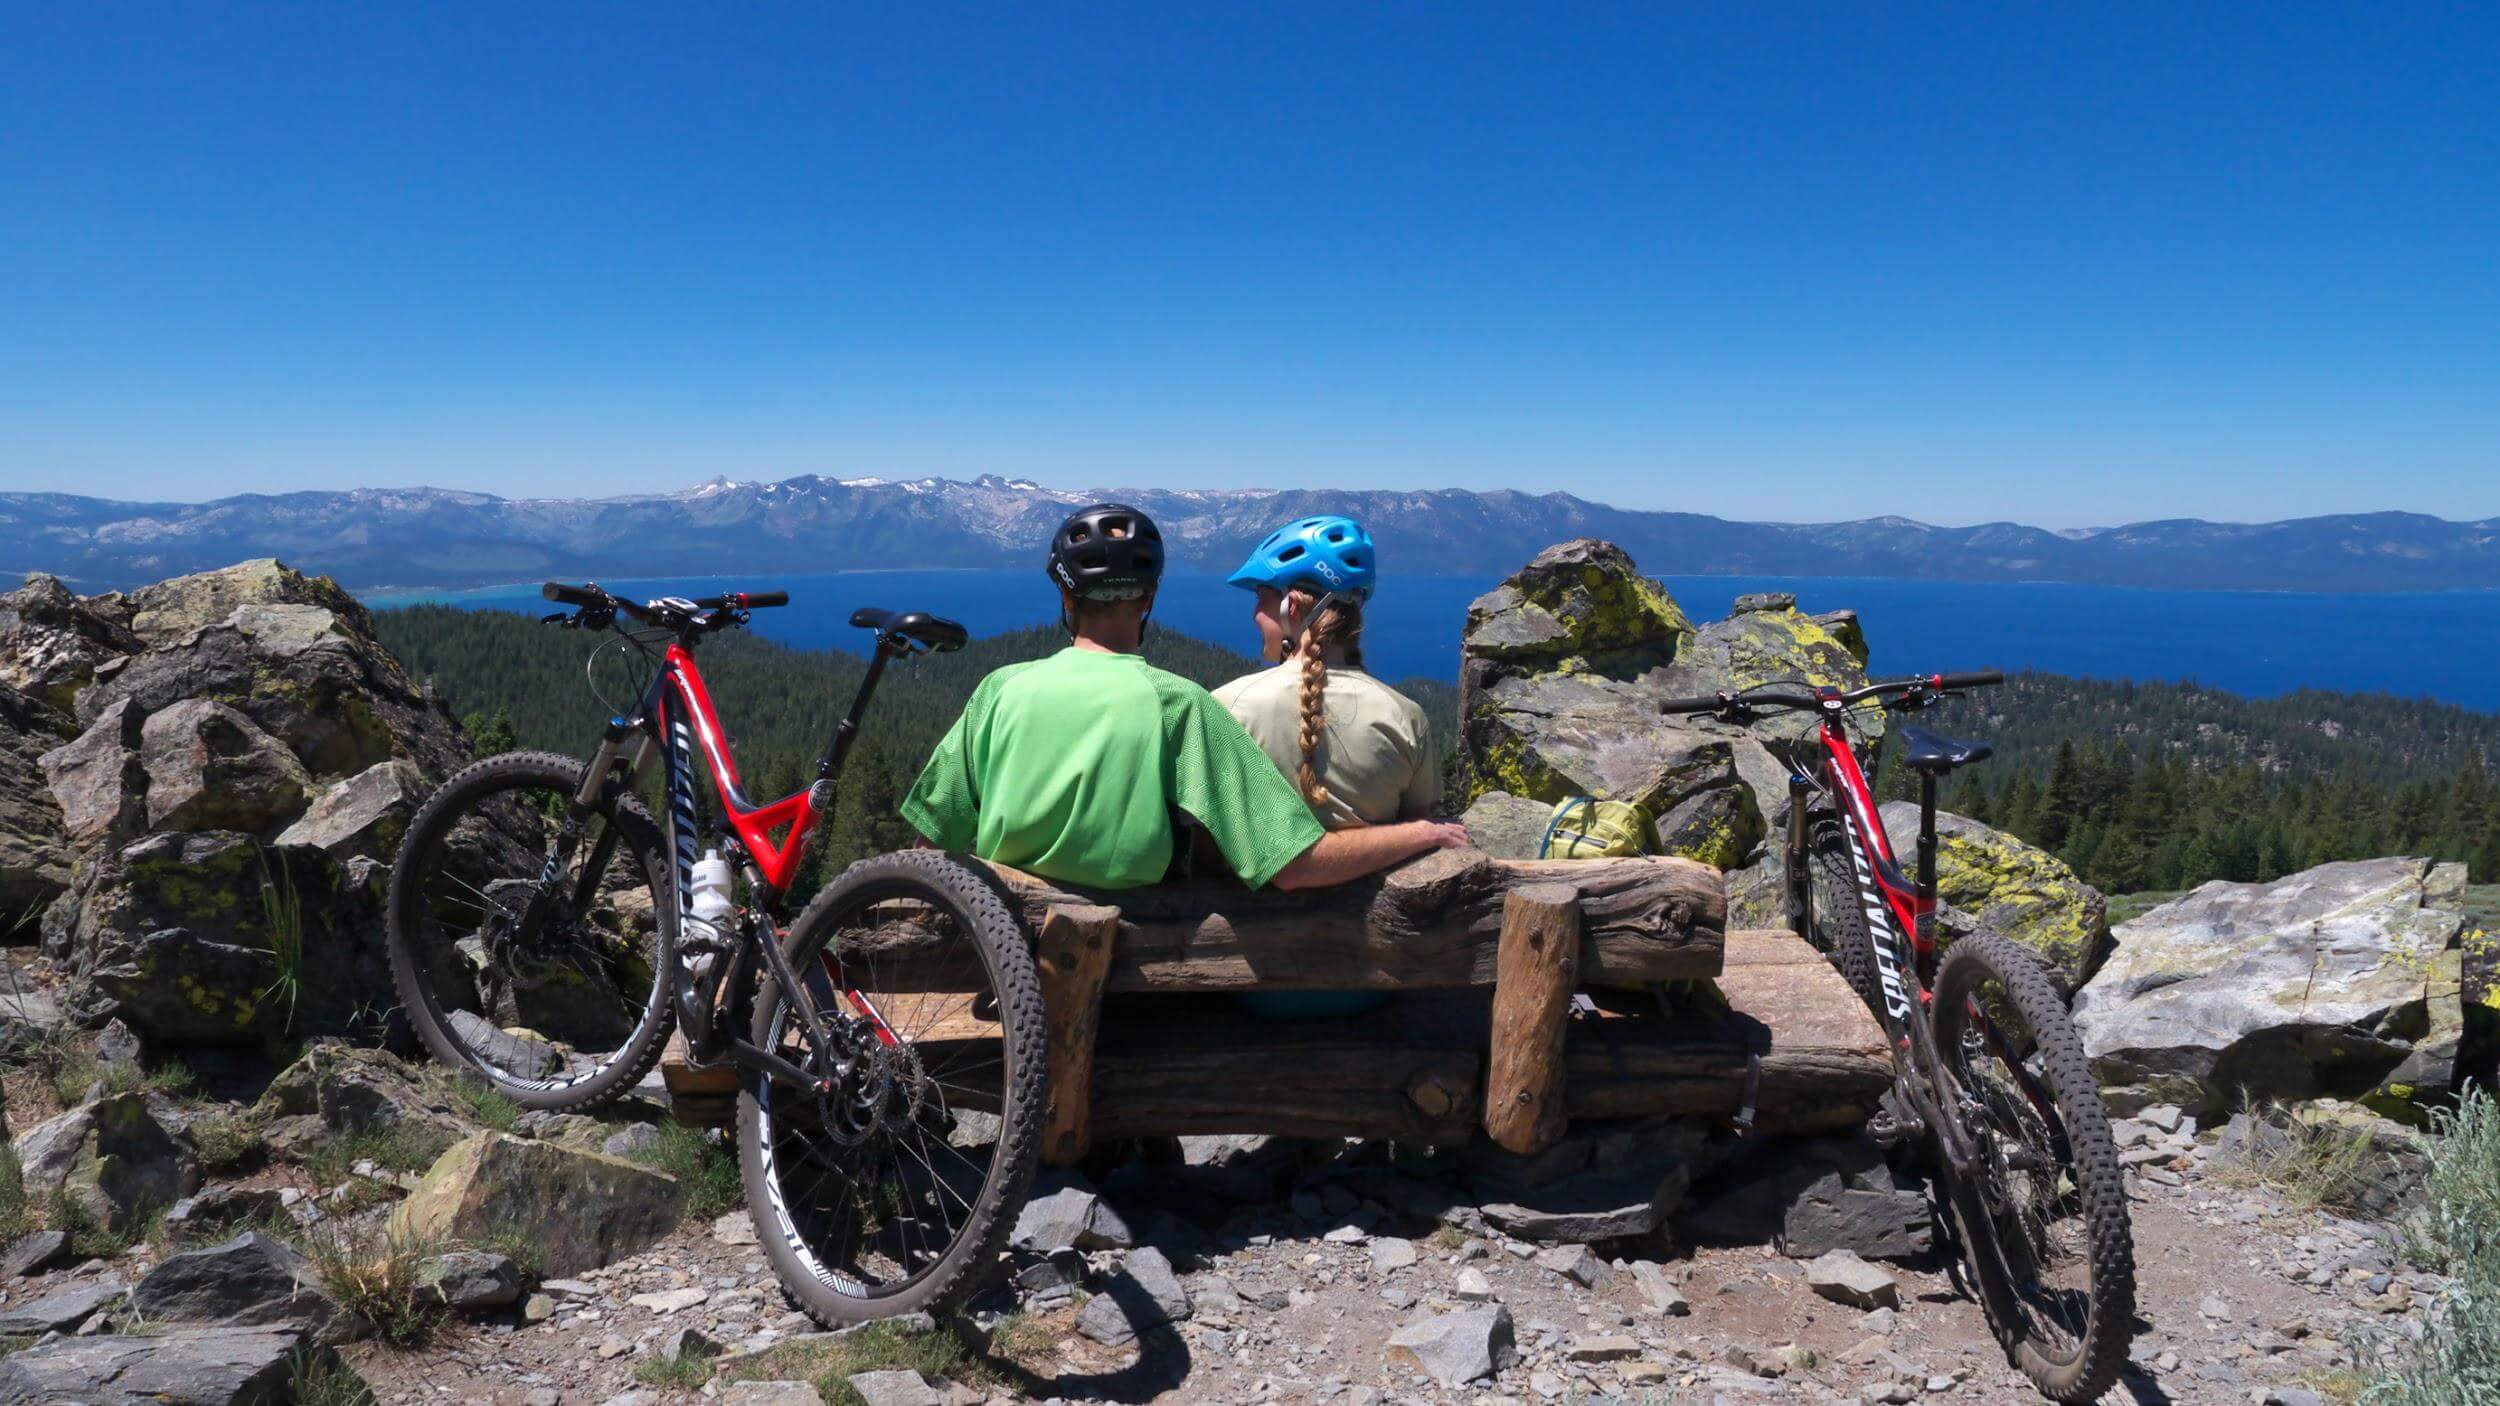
column 1069, row 766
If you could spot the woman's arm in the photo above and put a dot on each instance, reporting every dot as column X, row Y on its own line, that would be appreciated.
column 1342, row 856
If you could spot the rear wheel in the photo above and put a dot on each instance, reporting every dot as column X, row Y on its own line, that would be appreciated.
column 1836, row 919
column 2043, row 1217
column 892, row 1186
column 529, row 943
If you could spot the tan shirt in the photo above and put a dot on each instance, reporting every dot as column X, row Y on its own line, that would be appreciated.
column 1375, row 754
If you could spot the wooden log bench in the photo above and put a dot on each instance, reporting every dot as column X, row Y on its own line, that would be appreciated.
column 1487, row 955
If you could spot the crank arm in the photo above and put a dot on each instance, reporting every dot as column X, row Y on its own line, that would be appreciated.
column 773, row 1067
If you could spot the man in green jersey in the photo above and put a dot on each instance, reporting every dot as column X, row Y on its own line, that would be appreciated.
column 1070, row 767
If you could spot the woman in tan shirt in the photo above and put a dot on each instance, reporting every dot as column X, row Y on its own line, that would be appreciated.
column 1360, row 751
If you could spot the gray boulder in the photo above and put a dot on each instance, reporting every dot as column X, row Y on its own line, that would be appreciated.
column 364, row 814
column 113, row 1158
column 95, row 779
column 214, row 1367
column 1142, row 1296
column 211, row 768
column 1987, row 881
column 1457, row 1348
column 249, row 1280
column 2344, row 979
column 581, row 1209
column 474, row 1281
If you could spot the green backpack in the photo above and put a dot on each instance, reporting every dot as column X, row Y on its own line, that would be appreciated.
column 1586, row 828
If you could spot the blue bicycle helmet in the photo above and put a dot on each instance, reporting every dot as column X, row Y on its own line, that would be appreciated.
column 1328, row 555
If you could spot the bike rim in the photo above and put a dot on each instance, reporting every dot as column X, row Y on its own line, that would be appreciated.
column 2023, row 1210
column 874, row 1186
column 541, row 1006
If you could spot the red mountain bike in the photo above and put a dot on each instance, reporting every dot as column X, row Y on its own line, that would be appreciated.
column 546, row 934
column 1987, row 1068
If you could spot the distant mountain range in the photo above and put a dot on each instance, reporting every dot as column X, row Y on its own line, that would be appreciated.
column 428, row 537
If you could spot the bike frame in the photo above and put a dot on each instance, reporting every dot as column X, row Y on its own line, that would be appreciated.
column 673, row 722
column 1898, row 912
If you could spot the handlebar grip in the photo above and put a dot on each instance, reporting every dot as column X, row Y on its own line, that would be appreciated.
column 1691, row 705
column 562, row 594
column 757, row 600
column 1977, row 678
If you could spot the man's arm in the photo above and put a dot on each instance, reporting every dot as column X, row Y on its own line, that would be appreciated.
column 1342, row 856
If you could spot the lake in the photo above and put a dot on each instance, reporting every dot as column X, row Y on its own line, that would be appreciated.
column 2436, row 644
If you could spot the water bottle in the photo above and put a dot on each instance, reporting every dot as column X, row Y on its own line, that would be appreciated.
column 704, row 935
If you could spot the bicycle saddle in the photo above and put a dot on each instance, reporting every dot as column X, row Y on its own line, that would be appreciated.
column 931, row 632
column 1922, row 750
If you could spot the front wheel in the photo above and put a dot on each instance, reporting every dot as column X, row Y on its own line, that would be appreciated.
column 2043, row 1211
column 891, row 1185
column 530, row 942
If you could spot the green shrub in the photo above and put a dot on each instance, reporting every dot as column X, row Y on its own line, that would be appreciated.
column 317, row 1378
column 374, row 1275
column 702, row 1163
column 18, row 1212
column 488, row 1106
column 2456, row 1361
column 2314, row 1162
column 676, row 1373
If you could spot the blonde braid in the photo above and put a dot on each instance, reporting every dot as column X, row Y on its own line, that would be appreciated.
column 1314, row 720
column 1338, row 624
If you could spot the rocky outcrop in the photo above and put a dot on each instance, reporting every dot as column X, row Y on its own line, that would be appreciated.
column 35, row 853
column 224, row 760
column 582, row 1210
column 1562, row 670
column 1987, row 881
column 2341, row 980
column 52, row 642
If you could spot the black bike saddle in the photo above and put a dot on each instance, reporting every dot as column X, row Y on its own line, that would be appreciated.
column 1922, row 750
column 931, row 632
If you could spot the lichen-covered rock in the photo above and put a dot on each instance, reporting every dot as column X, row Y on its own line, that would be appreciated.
column 52, row 642
column 2342, row 980
column 1988, row 881
column 365, row 814
column 35, row 856
column 582, row 1210
column 357, row 1090
column 1560, row 679
column 294, row 654
column 165, row 612
column 113, row 1158
column 217, row 938
column 1582, row 601
column 211, row 768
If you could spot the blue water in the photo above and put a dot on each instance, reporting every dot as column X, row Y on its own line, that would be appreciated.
column 2438, row 645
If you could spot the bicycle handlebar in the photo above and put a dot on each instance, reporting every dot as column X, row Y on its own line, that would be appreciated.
column 1745, row 700
column 593, row 597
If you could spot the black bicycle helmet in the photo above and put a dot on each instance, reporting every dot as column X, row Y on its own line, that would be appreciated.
column 1109, row 551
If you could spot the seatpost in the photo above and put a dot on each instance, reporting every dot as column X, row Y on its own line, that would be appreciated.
column 1926, row 851
column 847, row 729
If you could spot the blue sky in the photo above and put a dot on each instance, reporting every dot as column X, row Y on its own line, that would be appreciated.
column 2062, row 264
